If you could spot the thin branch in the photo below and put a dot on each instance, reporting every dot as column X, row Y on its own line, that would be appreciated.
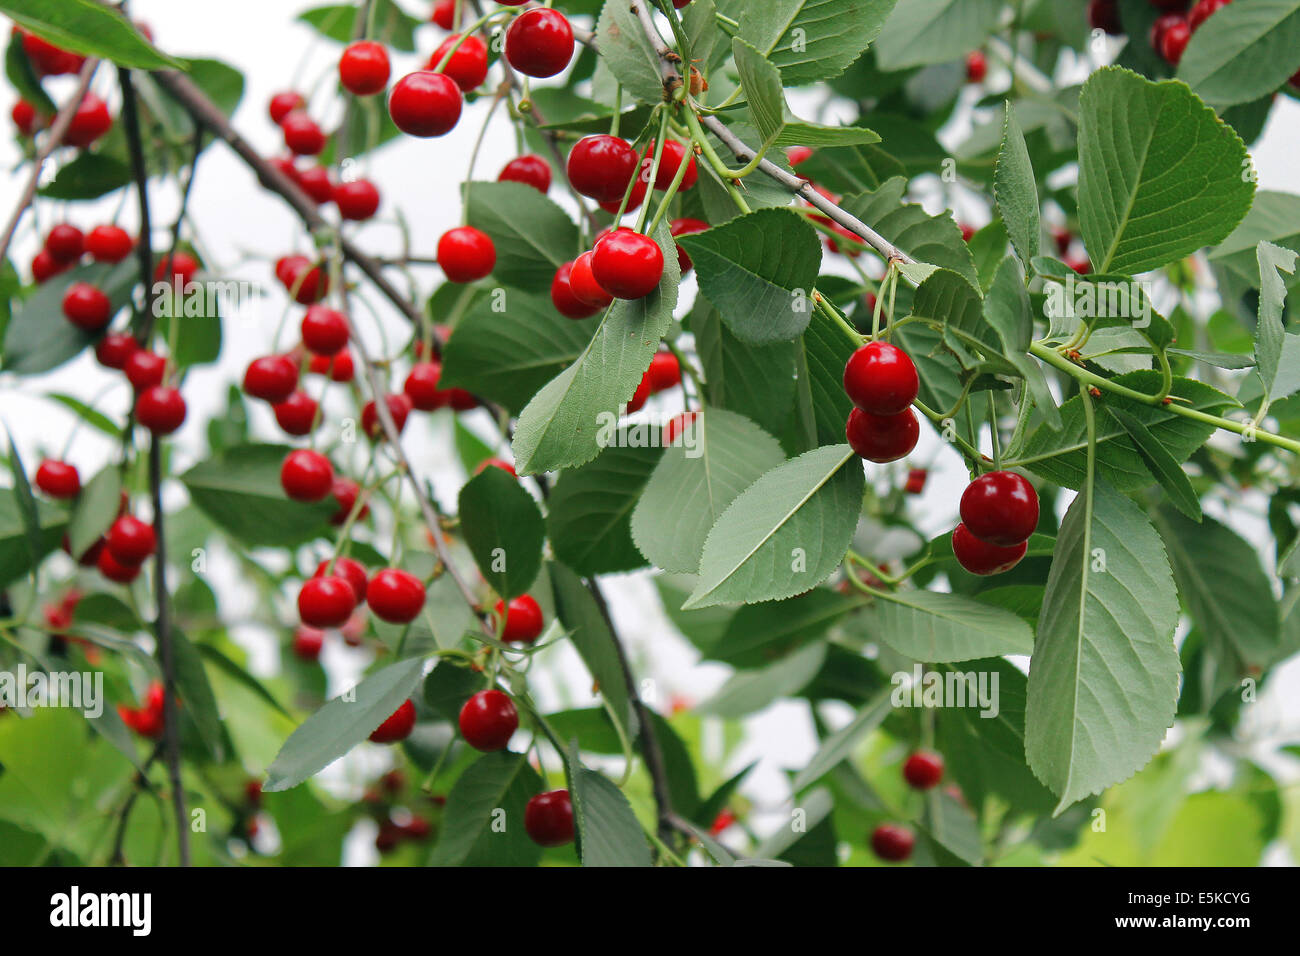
column 139, row 784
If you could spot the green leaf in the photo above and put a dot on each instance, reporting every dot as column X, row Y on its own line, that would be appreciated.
column 718, row 456
column 196, row 692
column 1160, row 175
column 19, row 71
column 1274, row 217
column 447, row 688
column 589, row 511
column 84, row 26
column 1167, row 471
column 758, row 634
column 747, row 692
column 95, row 419
column 88, row 176
column 626, row 51
column 786, row 533
column 754, row 380
column 15, row 557
column 764, row 94
column 1016, row 190
column 1007, row 310
column 239, row 489
column 564, row 423
column 1270, row 333
column 393, row 26
column 1243, row 52
column 838, row 747
column 608, row 832
column 932, row 627
column 22, row 496
column 95, row 510
column 822, row 405
column 38, row 337
column 810, row 40
column 1103, row 681
column 504, row 530
column 533, row 236
column 495, row 787
column 759, row 271
column 921, row 32
column 953, row 827
column 241, row 676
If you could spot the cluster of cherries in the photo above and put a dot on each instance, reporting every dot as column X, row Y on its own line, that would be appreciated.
column 893, row 842
column 147, row 719
column 65, row 246
column 380, row 798
column 90, row 121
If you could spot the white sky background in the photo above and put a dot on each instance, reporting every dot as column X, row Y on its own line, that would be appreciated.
column 244, row 229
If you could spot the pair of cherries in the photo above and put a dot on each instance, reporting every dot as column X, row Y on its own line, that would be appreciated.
column 328, row 598
column 999, row 511
column 881, row 380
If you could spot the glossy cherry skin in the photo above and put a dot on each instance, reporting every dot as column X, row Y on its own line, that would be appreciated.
column 65, row 242
column 399, row 407
column 425, row 104
column 627, row 264
column 315, row 181
column 345, row 492
column 271, row 378
column 600, row 167
column 131, row 540
column 161, row 409
column 539, row 43
column 109, row 244
column 89, row 122
column 306, row 475
column 882, row 438
column 563, row 298
column 584, row 285
column 302, row 134
column 184, row 267
column 114, row 569
column 980, row 557
column 468, row 66
column 496, row 463
column 397, row 727
column 326, row 601
column 357, row 200
column 396, row 596
column 339, row 366
column 284, row 103
column 531, row 170
column 308, row 642
column 977, row 66
column 488, row 720
column 1000, row 508
column 685, row 227
column 524, row 622
column 364, row 68
column 548, row 818
column 665, row 372
column 923, row 770
column 25, row 118
column 466, row 254
column 892, row 843
column 881, row 379
column 350, row 570
column 58, row 479
column 297, row 413
column 674, row 155
column 324, row 331
column 444, row 13
column 45, row 266
column 86, row 306
column 421, row 386
column 144, row 369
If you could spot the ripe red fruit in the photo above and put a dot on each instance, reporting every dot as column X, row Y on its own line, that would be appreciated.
column 1203, row 10
column 349, row 570
column 685, row 227
column 1000, row 508
column 643, row 392
column 86, row 306
column 326, row 601
column 397, row 727
column 882, row 438
column 25, row 118
column 399, row 406
column 45, row 266
column 396, row 596
column 915, row 481
column 308, row 284
column 48, row 59
column 306, row 475
column 466, row 254
column 600, row 167
column 114, row 569
column 892, row 843
column 89, row 122
column 184, row 266
column 627, row 264
column 539, row 43
column 338, row 366
column 364, row 68
column 496, row 463
column 287, row 268
column 977, row 66
column 345, row 492
column 425, row 103
column 796, row 155
column 302, row 134
column 923, row 770
column 488, row 720
column 65, row 242
column 161, row 409
column 524, row 623
column 563, row 297
column 357, row 200
column 307, row 642
column 980, row 557
column 282, row 104
column 324, row 330
column 58, row 479
column 144, row 369
column 665, row 372
column 678, row 425
column 315, row 181
column 674, row 155
column 109, row 244
column 130, row 540
column 1062, row 237
column 584, row 285
column 271, row 378
column 1080, row 265
column 297, row 413
column 444, row 13
column 1173, row 38
column 421, row 386
column 881, row 379
column 548, row 818
column 468, row 66
column 1104, row 15
column 531, row 170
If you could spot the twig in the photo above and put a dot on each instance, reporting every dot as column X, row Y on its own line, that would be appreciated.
column 139, row 784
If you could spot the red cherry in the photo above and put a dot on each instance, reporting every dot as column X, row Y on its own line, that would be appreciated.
column 315, row 181
column 982, row 558
column 324, row 330
column 881, row 379
column 397, row 727
column 338, row 366
column 673, row 156
column 306, row 475
column 364, row 68
column 531, row 170
column 282, row 104
column 86, row 307
column 665, row 372
column 892, row 843
column 1000, row 508
column 326, row 601
column 302, row 135
column 114, row 569
column 395, row 596
column 916, row 481
column 399, row 406
column 1203, row 10
column 600, row 167
column 45, row 266
column 640, row 188
column 271, row 378
column 468, row 66
column 685, row 227
column 496, row 463
column 89, row 122
column 65, row 243
column 345, row 492
column 548, row 818
column 524, row 622
column 25, row 118
column 421, row 386
column 488, row 720
column 1170, row 33
column 144, row 369
column 466, row 254
column 627, row 264
column 161, row 409
column 444, row 13
column 425, row 103
column 642, row 393
column 130, row 540
column 796, row 155
column 584, row 285
column 923, row 770
column 58, row 479
column 109, row 244
column 563, row 297
column 351, row 571
column 307, row 642
column 977, row 66
column 184, row 266
column 1104, row 15
column 357, row 200
column 678, row 425
column 297, row 413
column 539, row 42
column 681, row 3
column 882, row 438
column 48, row 59
column 287, row 268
